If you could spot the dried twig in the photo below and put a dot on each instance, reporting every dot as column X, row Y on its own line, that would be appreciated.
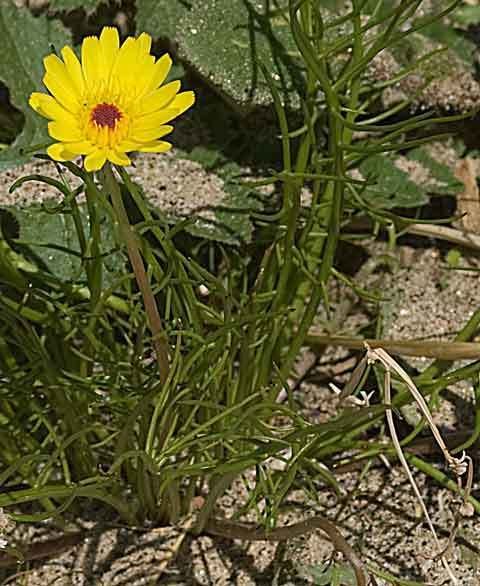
column 460, row 237
column 463, row 238
column 248, row 532
column 429, row 349
column 468, row 200
column 458, row 465
column 44, row 549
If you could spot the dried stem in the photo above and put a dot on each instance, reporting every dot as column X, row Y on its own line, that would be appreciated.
column 430, row 349
column 463, row 238
column 130, row 238
column 458, row 465
column 248, row 532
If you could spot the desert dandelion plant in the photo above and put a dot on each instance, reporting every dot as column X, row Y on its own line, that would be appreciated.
column 112, row 103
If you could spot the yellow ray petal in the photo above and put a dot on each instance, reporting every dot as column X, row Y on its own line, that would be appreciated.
column 144, row 137
column 55, row 67
column 95, row 160
column 154, row 119
column 74, row 69
column 91, row 61
column 182, row 102
column 144, row 43
column 50, row 108
column 64, row 132
column 81, row 147
column 148, row 134
column 109, row 43
column 156, row 147
column 118, row 158
column 126, row 64
column 59, row 152
column 145, row 63
column 160, row 98
column 65, row 95
column 127, row 146
column 145, row 74
column 159, row 73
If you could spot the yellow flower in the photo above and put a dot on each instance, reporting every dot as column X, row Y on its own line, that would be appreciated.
column 110, row 104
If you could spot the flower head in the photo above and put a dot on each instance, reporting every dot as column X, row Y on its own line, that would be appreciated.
column 111, row 103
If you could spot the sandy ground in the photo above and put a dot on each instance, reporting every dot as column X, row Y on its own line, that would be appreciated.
column 379, row 516
column 177, row 186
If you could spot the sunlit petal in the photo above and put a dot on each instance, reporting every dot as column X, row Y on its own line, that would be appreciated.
column 95, row 160
column 111, row 102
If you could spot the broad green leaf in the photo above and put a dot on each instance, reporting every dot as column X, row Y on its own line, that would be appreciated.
column 441, row 179
column 227, row 220
column 392, row 187
column 232, row 217
column 52, row 243
column 160, row 18
column 24, row 40
column 456, row 42
column 231, row 223
column 68, row 5
column 227, row 41
column 467, row 15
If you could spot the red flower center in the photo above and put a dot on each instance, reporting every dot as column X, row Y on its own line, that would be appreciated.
column 105, row 115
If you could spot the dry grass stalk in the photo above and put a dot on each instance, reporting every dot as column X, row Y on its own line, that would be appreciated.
column 468, row 200
column 427, row 348
column 458, row 465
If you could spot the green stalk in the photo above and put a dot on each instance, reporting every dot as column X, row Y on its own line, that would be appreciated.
column 130, row 239
column 185, row 298
column 334, row 190
column 441, row 478
column 93, row 261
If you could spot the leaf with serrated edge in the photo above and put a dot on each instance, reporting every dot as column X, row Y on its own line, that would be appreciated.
column 160, row 18
column 442, row 179
column 392, row 187
column 24, row 40
column 68, row 5
column 244, row 37
column 43, row 232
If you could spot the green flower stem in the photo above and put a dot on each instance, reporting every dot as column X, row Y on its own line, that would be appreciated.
column 331, row 215
column 93, row 265
column 184, row 298
column 440, row 477
column 93, row 252
column 154, row 320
